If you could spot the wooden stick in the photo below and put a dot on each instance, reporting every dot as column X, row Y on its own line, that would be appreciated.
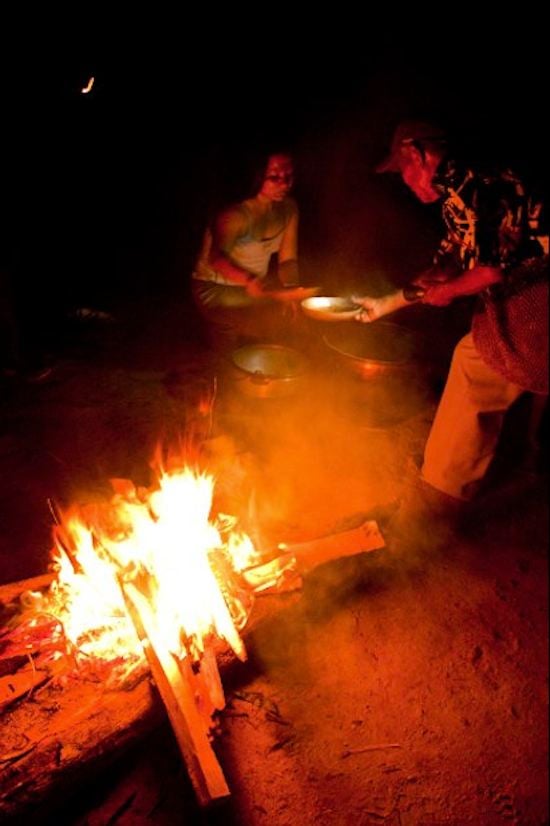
column 374, row 747
column 177, row 695
column 366, row 537
column 25, row 680
column 11, row 591
column 208, row 683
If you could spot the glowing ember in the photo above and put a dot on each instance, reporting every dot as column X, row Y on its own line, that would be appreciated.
column 165, row 542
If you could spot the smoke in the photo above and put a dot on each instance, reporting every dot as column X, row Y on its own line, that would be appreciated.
column 330, row 449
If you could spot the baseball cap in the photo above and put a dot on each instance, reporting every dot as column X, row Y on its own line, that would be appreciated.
column 407, row 132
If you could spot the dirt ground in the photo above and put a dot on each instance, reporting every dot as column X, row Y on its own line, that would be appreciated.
column 388, row 691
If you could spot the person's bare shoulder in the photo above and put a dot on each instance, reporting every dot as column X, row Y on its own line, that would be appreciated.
column 289, row 209
column 233, row 220
column 291, row 205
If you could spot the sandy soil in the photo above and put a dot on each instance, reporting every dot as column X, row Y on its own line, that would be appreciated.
column 389, row 691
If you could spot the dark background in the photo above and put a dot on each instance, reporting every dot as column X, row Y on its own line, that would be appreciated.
column 105, row 195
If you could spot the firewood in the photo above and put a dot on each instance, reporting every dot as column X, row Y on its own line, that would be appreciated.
column 208, row 683
column 51, row 743
column 309, row 555
column 27, row 679
column 61, row 738
column 175, row 687
column 11, row 591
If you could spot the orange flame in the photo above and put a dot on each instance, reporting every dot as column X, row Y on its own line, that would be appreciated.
column 166, row 542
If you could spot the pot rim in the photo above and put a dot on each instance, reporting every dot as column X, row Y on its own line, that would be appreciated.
column 389, row 363
column 260, row 375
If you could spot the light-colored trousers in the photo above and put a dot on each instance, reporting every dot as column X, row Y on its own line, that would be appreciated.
column 467, row 424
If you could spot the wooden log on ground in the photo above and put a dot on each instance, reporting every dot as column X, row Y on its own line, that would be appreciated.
column 66, row 734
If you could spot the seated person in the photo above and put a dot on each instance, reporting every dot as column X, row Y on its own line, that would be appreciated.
column 231, row 279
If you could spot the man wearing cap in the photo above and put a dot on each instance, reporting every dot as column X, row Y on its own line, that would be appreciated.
column 493, row 248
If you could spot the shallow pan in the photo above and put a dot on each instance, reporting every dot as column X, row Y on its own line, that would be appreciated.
column 330, row 308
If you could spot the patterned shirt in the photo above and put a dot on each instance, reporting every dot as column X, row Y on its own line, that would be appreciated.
column 490, row 219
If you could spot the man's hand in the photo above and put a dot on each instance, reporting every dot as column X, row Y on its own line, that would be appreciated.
column 373, row 308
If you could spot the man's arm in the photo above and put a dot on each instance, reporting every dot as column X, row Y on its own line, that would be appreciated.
column 469, row 282
column 435, row 274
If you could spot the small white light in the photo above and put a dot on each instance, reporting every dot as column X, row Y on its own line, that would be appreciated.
column 88, row 87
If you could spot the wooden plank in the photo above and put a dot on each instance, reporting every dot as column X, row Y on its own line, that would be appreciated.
column 11, row 591
column 309, row 555
column 177, row 695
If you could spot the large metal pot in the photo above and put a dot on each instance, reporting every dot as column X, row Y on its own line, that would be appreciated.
column 268, row 371
column 376, row 350
column 385, row 371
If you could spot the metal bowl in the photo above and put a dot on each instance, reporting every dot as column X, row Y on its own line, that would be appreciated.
column 268, row 371
column 330, row 308
column 378, row 349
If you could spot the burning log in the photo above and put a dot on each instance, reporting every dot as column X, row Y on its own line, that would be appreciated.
column 301, row 558
column 175, row 685
column 73, row 726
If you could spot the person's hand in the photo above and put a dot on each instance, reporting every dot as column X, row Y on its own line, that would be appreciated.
column 373, row 308
column 291, row 311
column 254, row 288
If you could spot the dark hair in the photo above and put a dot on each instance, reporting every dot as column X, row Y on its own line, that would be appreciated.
column 258, row 166
column 237, row 174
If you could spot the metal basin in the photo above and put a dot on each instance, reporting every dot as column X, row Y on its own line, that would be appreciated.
column 268, row 371
column 377, row 350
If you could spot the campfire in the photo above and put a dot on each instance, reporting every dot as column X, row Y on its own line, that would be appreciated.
column 152, row 582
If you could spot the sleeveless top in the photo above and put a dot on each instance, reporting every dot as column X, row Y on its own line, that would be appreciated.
column 252, row 254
